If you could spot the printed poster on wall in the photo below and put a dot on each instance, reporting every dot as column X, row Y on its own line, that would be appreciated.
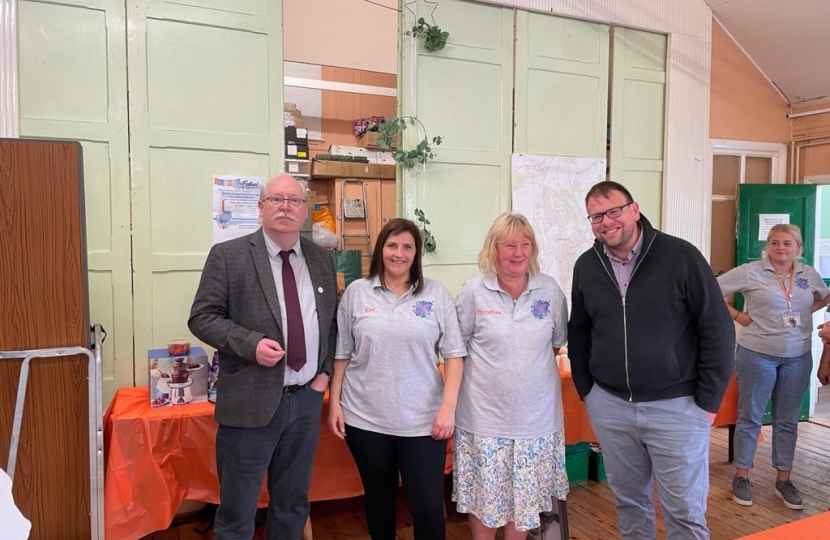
column 235, row 210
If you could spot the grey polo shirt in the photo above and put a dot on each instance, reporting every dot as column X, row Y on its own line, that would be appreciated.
column 392, row 383
column 766, row 304
column 308, row 305
column 511, row 385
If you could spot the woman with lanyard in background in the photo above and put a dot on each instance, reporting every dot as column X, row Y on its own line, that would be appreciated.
column 773, row 357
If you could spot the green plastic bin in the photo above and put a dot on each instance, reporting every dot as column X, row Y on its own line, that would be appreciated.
column 577, row 457
column 596, row 467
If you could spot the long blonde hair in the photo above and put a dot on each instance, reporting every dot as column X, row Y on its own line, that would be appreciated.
column 505, row 226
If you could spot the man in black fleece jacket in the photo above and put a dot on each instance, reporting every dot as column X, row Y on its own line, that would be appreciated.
column 651, row 345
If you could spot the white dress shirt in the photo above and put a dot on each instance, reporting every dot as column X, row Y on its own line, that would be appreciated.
column 308, row 305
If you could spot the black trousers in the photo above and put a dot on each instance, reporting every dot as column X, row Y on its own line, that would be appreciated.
column 284, row 448
column 420, row 462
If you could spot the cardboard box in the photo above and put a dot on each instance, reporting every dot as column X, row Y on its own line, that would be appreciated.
column 370, row 140
column 177, row 380
column 344, row 169
column 383, row 157
column 341, row 150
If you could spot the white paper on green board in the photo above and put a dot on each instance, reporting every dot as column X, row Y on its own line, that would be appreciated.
column 767, row 221
column 824, row 258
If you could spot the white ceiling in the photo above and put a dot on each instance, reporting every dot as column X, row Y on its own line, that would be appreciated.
column 789, row 40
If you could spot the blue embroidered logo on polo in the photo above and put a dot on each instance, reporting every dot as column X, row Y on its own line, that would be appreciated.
column 422, row 308
column 540, row 309
column 802, row 283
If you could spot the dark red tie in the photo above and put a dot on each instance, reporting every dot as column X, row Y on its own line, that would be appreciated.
column 293, row 314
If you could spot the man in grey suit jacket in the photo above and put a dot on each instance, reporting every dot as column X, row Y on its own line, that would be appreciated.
column 268, row 303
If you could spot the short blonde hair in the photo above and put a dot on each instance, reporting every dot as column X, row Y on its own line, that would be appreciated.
column 505, row 226
column 792, row 230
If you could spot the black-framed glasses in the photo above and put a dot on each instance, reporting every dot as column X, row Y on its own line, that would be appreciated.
column 277, row 200
column 612, row 213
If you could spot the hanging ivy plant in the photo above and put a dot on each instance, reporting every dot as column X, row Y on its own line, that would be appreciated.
column 434, row 37
column 395, row 126
column 429, row 240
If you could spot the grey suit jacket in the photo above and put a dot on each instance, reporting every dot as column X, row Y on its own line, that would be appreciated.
column 236, row 305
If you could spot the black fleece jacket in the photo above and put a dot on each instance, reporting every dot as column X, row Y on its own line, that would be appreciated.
column 671, row 336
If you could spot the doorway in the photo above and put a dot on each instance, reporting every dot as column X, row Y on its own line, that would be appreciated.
column 735, row 163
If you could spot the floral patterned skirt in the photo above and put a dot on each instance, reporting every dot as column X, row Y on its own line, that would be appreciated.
column 501, row 480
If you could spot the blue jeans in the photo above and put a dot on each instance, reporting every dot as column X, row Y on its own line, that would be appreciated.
column 760, row 377
column 667, row 438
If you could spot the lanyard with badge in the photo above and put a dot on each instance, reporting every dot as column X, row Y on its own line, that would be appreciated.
column 790, row 318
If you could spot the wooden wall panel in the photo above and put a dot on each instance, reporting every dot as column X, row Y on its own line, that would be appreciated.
column 43, row 295
column 341, row 108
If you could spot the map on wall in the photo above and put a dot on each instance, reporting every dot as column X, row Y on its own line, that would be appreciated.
column 550, row 192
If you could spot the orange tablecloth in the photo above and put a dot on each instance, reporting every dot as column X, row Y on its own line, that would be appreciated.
column 813, row 528
column 577, row 425
column 157, row 458
column 728, row 412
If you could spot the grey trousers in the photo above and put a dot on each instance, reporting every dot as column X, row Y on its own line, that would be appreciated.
column 284, row 448
column 668, row 439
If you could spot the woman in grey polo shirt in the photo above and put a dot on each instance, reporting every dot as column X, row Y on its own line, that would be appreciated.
column 509, row 452
column 388, row 398
column 773, row 357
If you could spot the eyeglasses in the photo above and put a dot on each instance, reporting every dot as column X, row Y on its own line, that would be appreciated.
column 612, row 213
column 277, row 201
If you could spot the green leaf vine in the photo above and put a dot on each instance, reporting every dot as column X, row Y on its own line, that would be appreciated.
column 429, row 240
column 394, row 127
column 434, row 37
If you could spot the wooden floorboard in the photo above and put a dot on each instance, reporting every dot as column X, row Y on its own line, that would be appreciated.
column 591, row 511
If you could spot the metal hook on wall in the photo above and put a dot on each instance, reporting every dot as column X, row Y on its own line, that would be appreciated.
column 431, row 12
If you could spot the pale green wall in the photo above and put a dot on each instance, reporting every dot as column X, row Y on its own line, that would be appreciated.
column 205, row 89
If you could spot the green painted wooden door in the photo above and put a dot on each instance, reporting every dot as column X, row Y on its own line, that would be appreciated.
column 205, row 98
column 463, row 93
column 561, row 97
column 798, row 202
column 638, row 89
